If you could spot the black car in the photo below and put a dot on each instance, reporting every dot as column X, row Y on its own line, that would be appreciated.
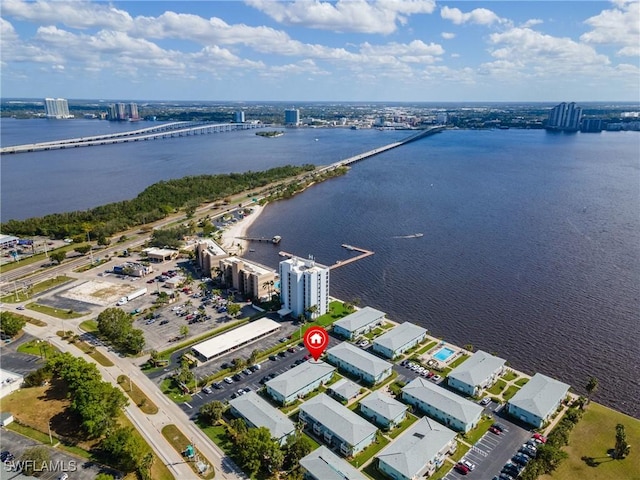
column 237, row 377
column 499, row 426
column 217, row 385
column 521, row 458
column 226, row 365
column 273, row 357
column 264, row 380
column 164, row 322
column 511, row 469
column 6, row 456
column 282, row 353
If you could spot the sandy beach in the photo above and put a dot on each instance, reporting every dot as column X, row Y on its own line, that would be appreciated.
column 230, row 243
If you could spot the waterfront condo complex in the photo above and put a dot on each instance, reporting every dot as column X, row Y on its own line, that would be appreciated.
column 304, row 287
column 56, row 108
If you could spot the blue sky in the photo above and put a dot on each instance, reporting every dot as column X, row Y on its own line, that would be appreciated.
column 349, row 50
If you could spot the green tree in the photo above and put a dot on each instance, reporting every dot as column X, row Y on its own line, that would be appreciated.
column 311, row 311
column 124, row 449
column 103, row 240
column 154, row 357
column 258, row 452
column 238, row 364
column 184, row 330
column 591, row 387
column 134, row 342
column 185, row 375
column 211, row 412
column 233, row 309
column 11, row 324
column 115, row 325
column 104, row 476
column 298, row 446
column 36, row 461
column 253, row 358
column 550, row 457
column 237, row 429
column 83, row 249
column 190, row 209
column 58, row 256
column 622, row 448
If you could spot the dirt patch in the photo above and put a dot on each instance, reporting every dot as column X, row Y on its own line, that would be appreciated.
column 99, row 293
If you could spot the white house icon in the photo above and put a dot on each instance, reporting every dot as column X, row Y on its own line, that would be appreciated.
column 316, row 339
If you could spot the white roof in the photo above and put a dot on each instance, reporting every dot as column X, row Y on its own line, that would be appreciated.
column 221, row 343
column 345, row 388
column 165, row 252
column 416, row 447
column 400, row 336
column 540, row 395
column 444, row 400
column 8, row 238
column 383, row 405
column 299, row 377
column 261, row 414
column 213, row 247
column 248, row 266
column 338, row 419
column 477, row 369
column 359, row 319
column 360, row 359
column 323, row 464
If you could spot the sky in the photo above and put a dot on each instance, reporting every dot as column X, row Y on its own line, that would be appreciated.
column 306, row 50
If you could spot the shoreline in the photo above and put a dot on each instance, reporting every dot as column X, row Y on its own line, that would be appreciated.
column 229, row 241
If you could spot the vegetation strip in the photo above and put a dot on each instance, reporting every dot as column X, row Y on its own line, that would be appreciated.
column 180, row 442
column 54, row 312
column 143, row 402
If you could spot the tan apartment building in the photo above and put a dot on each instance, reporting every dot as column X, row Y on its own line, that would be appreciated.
column 249, row 278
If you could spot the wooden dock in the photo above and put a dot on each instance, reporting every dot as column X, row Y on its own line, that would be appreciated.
column 340, row 263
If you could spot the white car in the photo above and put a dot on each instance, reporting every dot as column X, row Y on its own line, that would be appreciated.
column 228, row 380
column 468, row 464
column 436, row 378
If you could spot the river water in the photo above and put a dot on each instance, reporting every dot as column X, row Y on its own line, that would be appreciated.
column 530, row 247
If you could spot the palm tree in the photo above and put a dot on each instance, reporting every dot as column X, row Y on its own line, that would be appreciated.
column 622, row 448
column 312, row 310
column 591, row 387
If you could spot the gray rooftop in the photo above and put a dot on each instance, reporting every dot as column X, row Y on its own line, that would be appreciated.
column 359, row 319
column 349, row 426
column 383, row 405
column 299, row 377
column 442, row 399
column 417, row 447
column 261, row 414
column 359, row 358
column 322, row 463
column 400, row 336
column 477, row 369
column 540, row 395
column 346, row 388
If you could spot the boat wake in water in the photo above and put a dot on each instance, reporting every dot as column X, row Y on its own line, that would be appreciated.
column 413, row 235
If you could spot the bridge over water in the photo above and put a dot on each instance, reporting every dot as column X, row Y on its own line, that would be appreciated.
column 165, row 130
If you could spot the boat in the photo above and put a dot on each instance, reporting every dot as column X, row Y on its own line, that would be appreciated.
column 413, row 235
column 252, row 249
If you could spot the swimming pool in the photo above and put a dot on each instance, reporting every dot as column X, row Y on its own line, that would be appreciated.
column 443, row 354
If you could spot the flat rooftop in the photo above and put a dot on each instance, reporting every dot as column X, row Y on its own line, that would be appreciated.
column 238, row 336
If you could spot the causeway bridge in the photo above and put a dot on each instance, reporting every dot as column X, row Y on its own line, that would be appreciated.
column 165, row 130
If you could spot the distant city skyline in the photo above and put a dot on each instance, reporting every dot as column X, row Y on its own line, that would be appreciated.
column 345, row 51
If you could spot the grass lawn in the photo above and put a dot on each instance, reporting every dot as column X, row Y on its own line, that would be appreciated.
column 523, row 381
column 592, row 437
column 458, row 361
column 510, row 392
column 174, row 393
column 218, row 435
column 336, row 311
column 179, row 442
column 93, row 353
column 138, row 396
column 406, row 423
column 368, row 453
column 496, row 388
column 372, row 472
column 510, row 375
column 460, row 452
column 32, row 433
column 32, row 321
column 54, row 312
column 35, row 258
column 442, row 472
column 426, row 348
column 89, row 326
column 38, row 348
column 37, row 288
column 474, row 435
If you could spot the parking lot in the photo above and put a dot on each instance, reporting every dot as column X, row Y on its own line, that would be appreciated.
column 77, row 468
column 492, row 451
column 17, row 362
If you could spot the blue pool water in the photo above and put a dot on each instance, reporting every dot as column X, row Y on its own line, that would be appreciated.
column 443, row 354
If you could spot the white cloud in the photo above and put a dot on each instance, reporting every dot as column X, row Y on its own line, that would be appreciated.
column 532, row 22
column 448, row 35
column 76, row 14
column 480, row 16
column 345, row 15
column 619, row 26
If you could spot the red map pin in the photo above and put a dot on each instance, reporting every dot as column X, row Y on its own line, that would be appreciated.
column 316, row 340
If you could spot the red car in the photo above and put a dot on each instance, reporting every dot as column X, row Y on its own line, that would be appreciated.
column 494, row 430
column 461, row 468
column 542, row 438
column 307, row 357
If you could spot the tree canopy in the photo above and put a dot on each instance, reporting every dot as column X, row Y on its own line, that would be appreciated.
column 11, row 324
column 117, row 327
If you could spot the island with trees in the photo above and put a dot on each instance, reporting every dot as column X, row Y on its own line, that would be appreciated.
column 270, row 134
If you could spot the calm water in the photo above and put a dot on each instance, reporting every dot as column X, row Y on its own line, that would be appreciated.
column 530, row 247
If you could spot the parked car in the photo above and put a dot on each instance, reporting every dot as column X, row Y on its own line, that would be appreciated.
column 540, row 437
column 207, row 390
column 292, row 349
column 247, row 371
column 237, row 377
column 436, row 378
column 468, row 464
column 217, row 385
column 485, row 401
column 495, row 430
column 164, row 322
column 228, row 380
column 282, row 354
column 363, row 343
column 520, row 458
column 461, row 468
column 273, row 357
column 264, row 380
column 307, row 357
column 247, row 389
column 499, row 426
column 20, row 307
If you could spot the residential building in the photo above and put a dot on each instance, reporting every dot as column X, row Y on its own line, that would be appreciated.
column 234, row 339
column 565, row 116
column 442, row 405
column 537, row 400
column 383, row 410
column 336, row 425
column 123, row 111
column 249, row 278
column 419, row 451
column 323, row 464
column 56, row 108
column 292, row 117
column 257, row 412
column 299, row 381
column 591, row 125
column 9, row 382
column 238, row 117
column 399, row 339
column 358, row 323
column 208, row 256
column 304, row 285
column 359, row 363
column 476, row 373
column 344, row 389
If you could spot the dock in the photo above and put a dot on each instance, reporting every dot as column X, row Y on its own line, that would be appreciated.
column 340, row 263
column 275, row 239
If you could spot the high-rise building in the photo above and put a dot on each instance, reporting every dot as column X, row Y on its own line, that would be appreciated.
column 56, row 108
column 565, row 116
column 292, row 117
column 124, row 111
column 238, row 117
column 304, row 285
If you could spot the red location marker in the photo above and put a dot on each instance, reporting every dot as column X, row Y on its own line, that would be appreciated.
column 316, row 340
